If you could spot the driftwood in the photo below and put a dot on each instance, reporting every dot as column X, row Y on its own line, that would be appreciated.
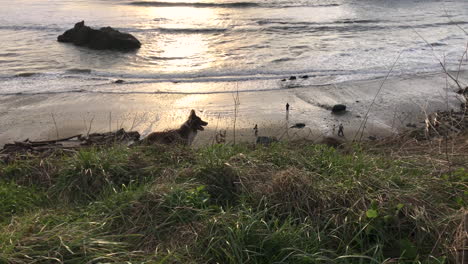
column 445, row 123
column 119, row 136
column 68, row 144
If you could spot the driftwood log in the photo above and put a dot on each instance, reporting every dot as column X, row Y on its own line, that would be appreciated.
column 67, row 144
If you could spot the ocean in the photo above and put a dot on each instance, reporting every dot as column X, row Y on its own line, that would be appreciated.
column 218, row 46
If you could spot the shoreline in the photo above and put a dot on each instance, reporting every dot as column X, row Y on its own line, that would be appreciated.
column 403, row 102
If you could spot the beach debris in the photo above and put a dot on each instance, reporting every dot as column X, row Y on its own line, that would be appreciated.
column 119, row 81
column 292, row 78
column 338, row 108
column 262, row 140
column 69, row 144
column 341, row 130
column 100, row 39
column 119, row 136
column 444, row 123
column 298, row 125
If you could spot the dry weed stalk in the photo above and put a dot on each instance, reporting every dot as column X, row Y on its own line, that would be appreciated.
column 362, row 126
column 215, row 135
column 55, row 124
column 236, row 109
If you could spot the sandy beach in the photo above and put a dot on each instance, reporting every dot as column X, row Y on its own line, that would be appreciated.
column 403, row 101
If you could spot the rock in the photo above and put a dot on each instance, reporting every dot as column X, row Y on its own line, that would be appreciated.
column 100, row 39
column 119, row 81
column 283, row 80
column 338, row 108
column 298, row 125
column 305, row 76
column 292, row 78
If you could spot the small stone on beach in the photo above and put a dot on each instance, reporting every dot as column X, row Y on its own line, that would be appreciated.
column 338, row 108
column 298, row 125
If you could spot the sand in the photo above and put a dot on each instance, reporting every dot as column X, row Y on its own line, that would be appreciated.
column 403, row 101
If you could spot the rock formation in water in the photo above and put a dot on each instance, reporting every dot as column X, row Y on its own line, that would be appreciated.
column 100, row 39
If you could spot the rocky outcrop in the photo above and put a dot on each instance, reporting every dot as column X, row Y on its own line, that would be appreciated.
column 100, row 39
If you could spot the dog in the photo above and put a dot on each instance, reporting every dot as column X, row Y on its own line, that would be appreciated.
column 184, row 135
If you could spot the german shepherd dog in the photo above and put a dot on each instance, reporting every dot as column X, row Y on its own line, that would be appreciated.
column 184, row 135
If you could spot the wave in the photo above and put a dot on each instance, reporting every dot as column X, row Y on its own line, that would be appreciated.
column 141, row 92
column 32, row 28
column 26, row 74
column 165, row 58
column 313, row 5
column 139, row 83
column 344, row 21
column 282, row 60
column 195, row 4
column 9, row 54
column 191, row 30
column 141, row 78
column 225, row 5
column 345, row 26
column 81, row 71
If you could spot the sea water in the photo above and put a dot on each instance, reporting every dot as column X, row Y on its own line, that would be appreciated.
column 215, row 46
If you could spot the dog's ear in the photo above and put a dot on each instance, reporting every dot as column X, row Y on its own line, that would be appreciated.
column 192, row 114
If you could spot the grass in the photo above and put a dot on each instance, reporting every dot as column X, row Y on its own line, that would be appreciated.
column 285, row 203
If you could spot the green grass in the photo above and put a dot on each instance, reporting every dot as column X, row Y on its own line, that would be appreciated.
column 16, row 199
column 230, row 204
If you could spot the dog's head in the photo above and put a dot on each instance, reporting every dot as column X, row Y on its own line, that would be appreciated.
column 195, row 122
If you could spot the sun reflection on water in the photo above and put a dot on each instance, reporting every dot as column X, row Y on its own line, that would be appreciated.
column 179, row 42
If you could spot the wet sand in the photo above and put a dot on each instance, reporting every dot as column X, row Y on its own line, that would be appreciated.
column 403, row 101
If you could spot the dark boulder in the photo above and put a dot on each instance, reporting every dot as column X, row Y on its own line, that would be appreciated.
column 292, row 78
column 298, row 125
column 100, row 39
column 338, row 108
